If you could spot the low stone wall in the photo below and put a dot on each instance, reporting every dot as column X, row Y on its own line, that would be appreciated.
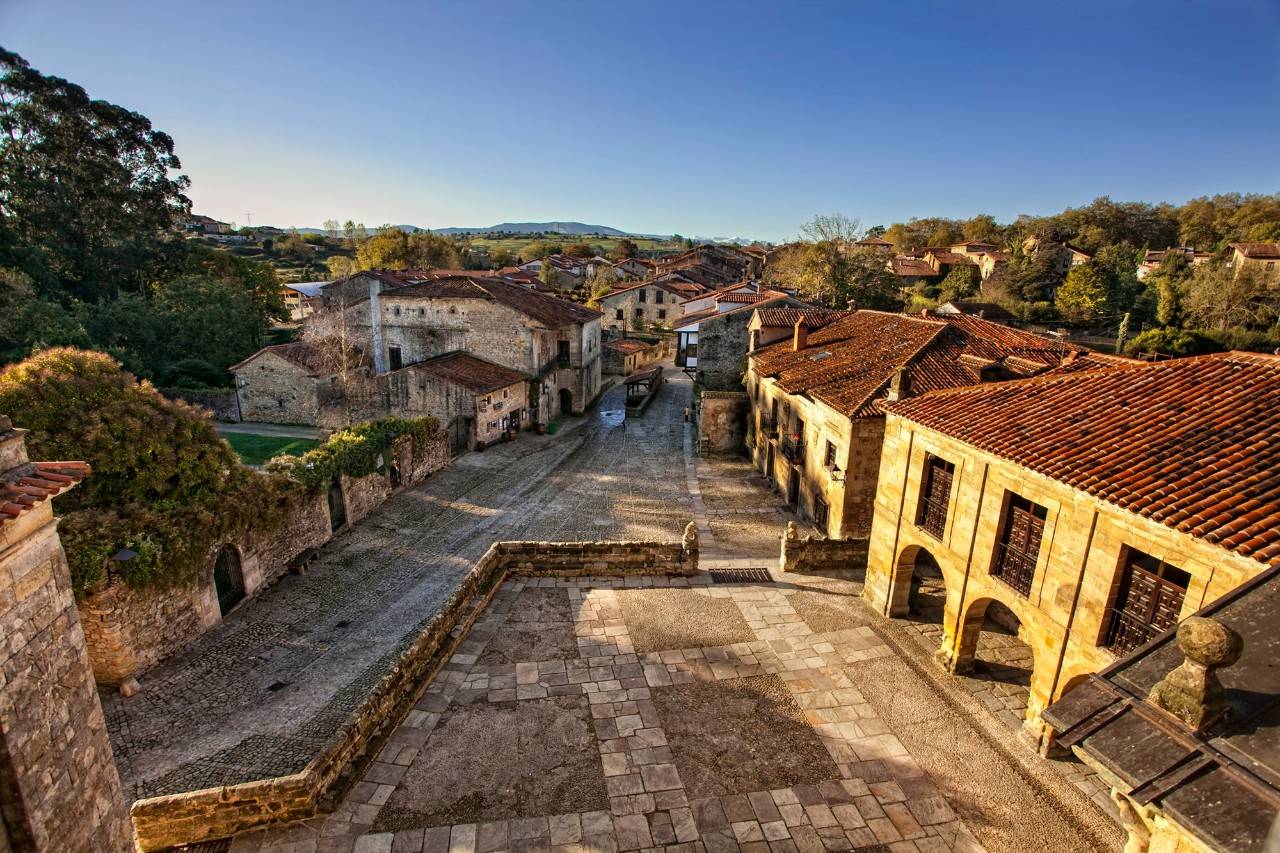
column 214, row 813
column 722, row 422
column 127, row 630
column 222, row 404
column 818, row 554
column 636, row 408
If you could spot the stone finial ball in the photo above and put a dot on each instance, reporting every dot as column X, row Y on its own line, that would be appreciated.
column 1209, row 642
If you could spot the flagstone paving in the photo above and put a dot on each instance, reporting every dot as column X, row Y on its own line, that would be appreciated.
column 791, row 740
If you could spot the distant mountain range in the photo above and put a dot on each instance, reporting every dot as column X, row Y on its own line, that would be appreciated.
column 569, row 229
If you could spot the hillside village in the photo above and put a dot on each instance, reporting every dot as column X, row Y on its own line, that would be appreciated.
column 942, row 536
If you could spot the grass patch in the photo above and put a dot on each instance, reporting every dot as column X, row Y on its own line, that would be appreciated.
column 257, row 449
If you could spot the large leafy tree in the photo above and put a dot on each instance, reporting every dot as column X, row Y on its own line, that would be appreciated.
column 88, row 194
column 823, row 266
column 1086, row 294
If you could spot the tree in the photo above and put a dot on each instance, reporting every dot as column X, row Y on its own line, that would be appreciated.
column 1216, row 297
column 332, row 229
column 824, row 267
column 579, row 250
column 602, row 280
column 1086, row 294
column 539, row 249
column 945, row 234
column 87, row 202
column 981, row 227
column 624, row 249
column 548, row 276
column 961, row 281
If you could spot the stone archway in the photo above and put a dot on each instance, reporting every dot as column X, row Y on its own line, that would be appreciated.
column 917, row 587
column 989, row 650
column 566, row 402
column 228, row 579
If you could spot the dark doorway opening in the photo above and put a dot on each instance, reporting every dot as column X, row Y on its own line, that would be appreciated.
column 228, row 579
column 337, row 507
column 566, row 402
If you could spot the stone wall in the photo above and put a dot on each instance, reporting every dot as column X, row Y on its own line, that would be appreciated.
column 129, row 630
column 817, row 554
column 59, row 789
column 722, row 421
column 221, row 404
column 274, row 390
column 214, row 813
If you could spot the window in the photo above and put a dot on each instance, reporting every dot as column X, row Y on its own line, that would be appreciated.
column 935, row 492
column 657, row 297
column 1019, row 546
column 563, row 354
column 393, row 353
column 820, row 509
column 829, row 459
column 641, row 297
column 617, row 314
column 422, row 312
column 662, row 313
column 1271, row 265
column 1148, row 600
column 639, row 313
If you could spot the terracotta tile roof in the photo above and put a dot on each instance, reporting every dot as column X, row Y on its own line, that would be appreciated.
column 548, row 310
column 872, row 241
column 696, row 317
column 912, row 266
column 628, row 345
column 849, row 363
column 679, row 288
column 988, row 310
column 474, row 374
column 1193, row 443
column 1258, row 250
column 316, row 360
column 34, row 483
column 948, row 257
column 786, row 317
column 741, row 298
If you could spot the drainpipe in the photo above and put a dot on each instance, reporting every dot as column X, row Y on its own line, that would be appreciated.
column 375, row 323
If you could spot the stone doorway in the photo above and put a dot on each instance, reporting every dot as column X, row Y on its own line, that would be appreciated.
column 337, row 507
column 566, row 402
column 228, row 579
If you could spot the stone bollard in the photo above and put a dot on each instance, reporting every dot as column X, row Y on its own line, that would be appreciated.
column 790, row 545
column 689, row 548
column 1192, row 691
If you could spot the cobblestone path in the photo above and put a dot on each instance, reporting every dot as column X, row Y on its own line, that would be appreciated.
column 260, row 693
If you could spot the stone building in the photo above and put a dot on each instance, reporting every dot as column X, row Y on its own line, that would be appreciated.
column 1263, row 259
column 1152, row 259
column 646, row 305
column 1098, row 507
column 290, row 383
column 485, row 400
column 625, row 356
column 713, row 338
column 817, row 423
column 554, row 341
column 1203, row 699
column 59, row 789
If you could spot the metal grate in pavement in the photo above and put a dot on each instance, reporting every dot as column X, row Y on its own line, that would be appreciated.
column 222, row 845
column 740, row 576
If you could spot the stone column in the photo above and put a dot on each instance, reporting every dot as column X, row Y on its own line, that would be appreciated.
column 59, row 790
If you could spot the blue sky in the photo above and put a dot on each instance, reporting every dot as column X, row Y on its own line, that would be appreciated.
column 715, row 119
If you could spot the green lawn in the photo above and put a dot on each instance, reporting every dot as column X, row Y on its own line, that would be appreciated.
column 257, row 449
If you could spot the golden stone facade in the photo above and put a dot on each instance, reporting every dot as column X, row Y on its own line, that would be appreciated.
column 1064, row 614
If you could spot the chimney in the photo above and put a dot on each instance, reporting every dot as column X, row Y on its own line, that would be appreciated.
column 900, row 384
column 924, row 312
column 982, row 313
column 375, row 323
column 753, row 342
column 800, row 337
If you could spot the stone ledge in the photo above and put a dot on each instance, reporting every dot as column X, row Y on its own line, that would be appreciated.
column 214, row 813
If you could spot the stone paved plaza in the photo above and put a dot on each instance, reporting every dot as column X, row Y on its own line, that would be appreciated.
column 256, row 696
column 695, row 716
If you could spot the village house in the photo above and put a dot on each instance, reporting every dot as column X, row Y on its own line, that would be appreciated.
column 302, row 298
column 1065, row 256
column 634, row 267
column 482, row 402
column 817, row 424
column 292, row 383
column 1171, row 698
column 1262, row 259
column 712, row 344
column 1093, row 508
column 877, row 243
column 985, row 310
column 554, row 341
column 1152, row 260
column 645, row 305
column 712, row 265
column 571, row 273
column 625, row 356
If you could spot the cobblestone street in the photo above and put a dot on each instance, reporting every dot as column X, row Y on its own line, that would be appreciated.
column 256, row 696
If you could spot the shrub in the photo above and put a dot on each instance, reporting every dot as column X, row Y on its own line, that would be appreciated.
column 354, row 451
column 196, row 373
column 163, row 485
column 1176, row 342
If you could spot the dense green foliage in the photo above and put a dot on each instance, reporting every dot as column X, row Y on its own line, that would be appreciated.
column 355, row 451
column 163, row 485
column 89, row 251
